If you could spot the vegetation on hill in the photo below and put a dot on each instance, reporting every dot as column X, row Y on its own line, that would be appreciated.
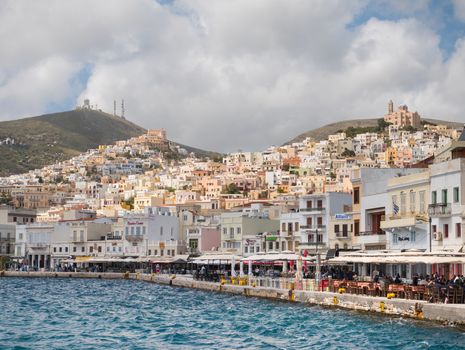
column 43, row 140
column 39, row 141
column 358, row 126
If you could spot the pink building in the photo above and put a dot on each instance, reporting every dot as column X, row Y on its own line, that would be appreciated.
column 203, row 239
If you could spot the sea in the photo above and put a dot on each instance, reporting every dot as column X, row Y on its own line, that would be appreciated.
column 69, row 314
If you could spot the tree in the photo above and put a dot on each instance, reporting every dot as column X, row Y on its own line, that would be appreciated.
column 348, row 153
column 382, row 124
column 231, row 189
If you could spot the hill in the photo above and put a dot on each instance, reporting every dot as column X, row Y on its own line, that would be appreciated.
column 323, row 132
column 43, row 140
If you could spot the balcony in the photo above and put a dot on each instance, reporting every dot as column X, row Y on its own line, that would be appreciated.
column 439, row 210
column 312, row 210
column 372, row 233
column 7, row 239
column 313, row 228
column 134, row 238
column 371, row 238
column 344, row 235
column 38, row 245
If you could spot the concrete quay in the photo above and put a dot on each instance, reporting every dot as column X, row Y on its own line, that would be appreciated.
column 452, row 314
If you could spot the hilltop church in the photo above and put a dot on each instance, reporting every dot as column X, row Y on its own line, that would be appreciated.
column 402, row 117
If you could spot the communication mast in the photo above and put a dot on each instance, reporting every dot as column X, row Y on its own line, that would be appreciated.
column 122, row 108
column 114, row 108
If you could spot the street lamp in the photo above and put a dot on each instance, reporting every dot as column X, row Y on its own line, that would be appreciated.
column 318, row 263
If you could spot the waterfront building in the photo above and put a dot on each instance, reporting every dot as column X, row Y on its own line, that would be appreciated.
column 406, row 221
column 369, row 200
column 246, row 233
column 315, row 212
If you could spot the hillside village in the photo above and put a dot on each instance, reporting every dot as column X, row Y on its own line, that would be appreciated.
column 394, row 187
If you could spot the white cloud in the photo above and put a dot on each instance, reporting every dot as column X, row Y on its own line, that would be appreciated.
column 226, row 74
column 459, row 9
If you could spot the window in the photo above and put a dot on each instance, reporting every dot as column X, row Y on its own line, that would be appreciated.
column 132, row 230
column 413, row 235
column 458, row 230
column 336, row 246
column 150, row 252
column 74, row 249
column 60, row 249
column 91, row 249
column 412, row 202
column 20, row 236
column 309, row 204
column 225, row 231
column 127, row 230
column 394, row 238
column 395, row 207
column 270, row 245
column 81, row 236
column 434, row 197
column 161, row 230
column 99, row 249
column 319, row 221
column 319, row 238
column 144, row 230
column 66, row 249
column 319, row 204
column 246, row 249
column 444, row 196
column 403, row 200
column 421, row 208
column 283, row 227
column 54, row 249
column 311, row 238
column 231, row 231
column 336, row 228
column 296, row 226
column 456, row 194
column 83, row 249
column 344, row 230
column 434, row 228
column 238, row 230
column 356, row 195
column 446, row 230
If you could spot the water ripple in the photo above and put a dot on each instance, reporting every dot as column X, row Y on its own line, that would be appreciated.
column 121, row 314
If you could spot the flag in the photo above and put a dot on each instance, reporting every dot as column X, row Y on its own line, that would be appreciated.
column 395, row 208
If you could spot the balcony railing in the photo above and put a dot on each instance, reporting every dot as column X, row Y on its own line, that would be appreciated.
column 7, row 239
column 312, row 209
column 38, row 245
column 134, row 237
column 372, row 233
column 343, row 234
column 439, row 209
column 313, row 227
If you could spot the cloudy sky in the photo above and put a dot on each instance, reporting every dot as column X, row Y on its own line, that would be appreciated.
column 233, row 74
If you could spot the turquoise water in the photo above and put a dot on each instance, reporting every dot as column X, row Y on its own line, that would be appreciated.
column 121, row 314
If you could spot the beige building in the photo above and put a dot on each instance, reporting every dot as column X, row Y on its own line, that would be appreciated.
column 402, row 117
column 406, row 219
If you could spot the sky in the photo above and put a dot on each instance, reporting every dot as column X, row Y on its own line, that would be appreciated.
column 226, row 75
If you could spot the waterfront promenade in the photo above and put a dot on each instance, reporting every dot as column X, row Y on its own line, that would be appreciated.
column 445, row 313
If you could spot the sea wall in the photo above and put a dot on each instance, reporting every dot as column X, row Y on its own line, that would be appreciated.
column 446, row 313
